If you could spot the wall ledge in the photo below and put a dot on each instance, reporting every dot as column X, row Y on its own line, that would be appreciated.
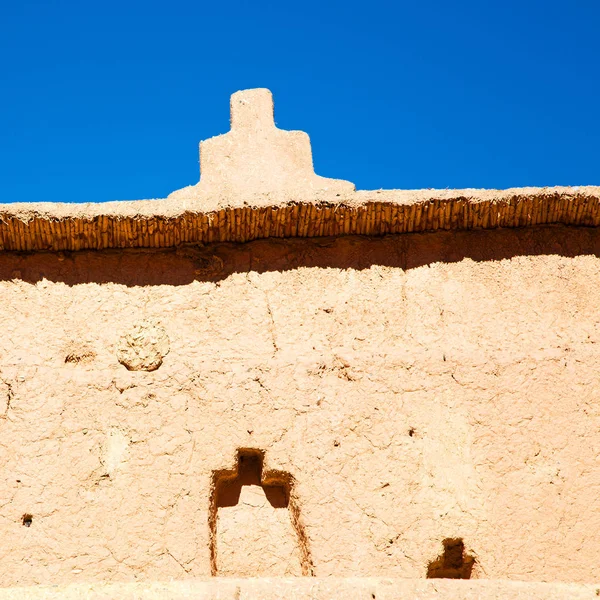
column 310, row 588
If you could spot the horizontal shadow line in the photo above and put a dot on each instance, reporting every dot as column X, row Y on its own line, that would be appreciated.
column 183, row 265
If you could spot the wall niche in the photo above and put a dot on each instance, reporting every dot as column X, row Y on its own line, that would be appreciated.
column 254, row 521
column 453, row 563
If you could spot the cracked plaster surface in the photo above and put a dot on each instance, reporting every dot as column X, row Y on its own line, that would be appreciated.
column 410, row 402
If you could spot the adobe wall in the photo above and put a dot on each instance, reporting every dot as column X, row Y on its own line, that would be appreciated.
column 403, row 390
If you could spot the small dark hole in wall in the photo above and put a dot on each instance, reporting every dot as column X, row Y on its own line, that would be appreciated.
column 453, row 563
column 412, row 431
column 27, row 519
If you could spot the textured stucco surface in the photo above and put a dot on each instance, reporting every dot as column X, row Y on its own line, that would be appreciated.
column 415, row 387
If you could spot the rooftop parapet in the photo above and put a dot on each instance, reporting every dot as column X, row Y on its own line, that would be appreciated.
column 258, row 181
column 255, row 157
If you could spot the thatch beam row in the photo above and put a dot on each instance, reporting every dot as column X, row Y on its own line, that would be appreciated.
column 42, row 232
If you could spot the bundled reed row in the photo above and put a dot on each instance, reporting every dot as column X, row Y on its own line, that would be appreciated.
column 292, row 220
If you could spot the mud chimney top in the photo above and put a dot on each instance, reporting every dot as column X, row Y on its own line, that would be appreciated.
column 252, row 108
column 255, row 157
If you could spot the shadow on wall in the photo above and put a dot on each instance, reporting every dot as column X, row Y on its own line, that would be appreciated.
column 181, row 266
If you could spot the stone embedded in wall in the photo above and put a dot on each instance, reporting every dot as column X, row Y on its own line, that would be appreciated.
column 143, row 347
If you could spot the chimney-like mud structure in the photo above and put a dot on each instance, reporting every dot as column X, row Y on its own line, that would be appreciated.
column 271, row 385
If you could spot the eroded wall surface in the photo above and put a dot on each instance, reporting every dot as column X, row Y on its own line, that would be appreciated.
column 414, row 388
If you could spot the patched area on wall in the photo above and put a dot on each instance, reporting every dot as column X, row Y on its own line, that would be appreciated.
column 143, row 347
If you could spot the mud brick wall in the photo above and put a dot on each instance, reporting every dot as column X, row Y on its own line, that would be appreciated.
column 390, row 393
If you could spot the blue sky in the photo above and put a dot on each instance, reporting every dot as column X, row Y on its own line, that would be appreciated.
column 108, row 100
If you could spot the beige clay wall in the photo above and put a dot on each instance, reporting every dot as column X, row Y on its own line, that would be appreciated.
column 403, row 390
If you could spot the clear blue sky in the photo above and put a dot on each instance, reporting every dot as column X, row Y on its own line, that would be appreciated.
column 108, row 100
